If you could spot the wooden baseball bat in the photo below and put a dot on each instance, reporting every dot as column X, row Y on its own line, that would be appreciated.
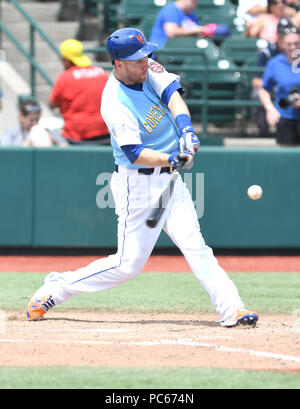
column 162, row 202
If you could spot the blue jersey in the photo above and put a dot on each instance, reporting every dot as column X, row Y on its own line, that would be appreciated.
column 136, row 117
column 282, row 76
column 171, row 14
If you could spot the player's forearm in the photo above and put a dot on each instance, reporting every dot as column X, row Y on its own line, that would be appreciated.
column 177, row 105
column 173, row 30
column 149, row 157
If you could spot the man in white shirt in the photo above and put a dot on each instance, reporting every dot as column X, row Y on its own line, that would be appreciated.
column 248, row 10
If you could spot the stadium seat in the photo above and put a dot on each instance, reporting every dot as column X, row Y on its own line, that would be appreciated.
column 242, row 50
column 215, row 9
column 178, row 49
column 223, row 83
column 131, row 12
column 211, row 5
column 146, row 25
column 218, row 12
column 212, row 103
column 110, row 14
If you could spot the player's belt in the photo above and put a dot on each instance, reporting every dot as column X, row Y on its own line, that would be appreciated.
column 149, row 171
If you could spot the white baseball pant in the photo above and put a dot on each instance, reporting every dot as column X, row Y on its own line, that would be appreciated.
column 133, row 195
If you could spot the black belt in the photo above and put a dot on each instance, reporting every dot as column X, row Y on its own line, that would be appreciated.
column 149, row 171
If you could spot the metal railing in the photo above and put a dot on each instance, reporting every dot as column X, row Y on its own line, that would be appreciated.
column 31, row 53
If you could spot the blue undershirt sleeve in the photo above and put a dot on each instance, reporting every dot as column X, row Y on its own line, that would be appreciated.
column 132, row 151
column 169, row 91
column 261, row 63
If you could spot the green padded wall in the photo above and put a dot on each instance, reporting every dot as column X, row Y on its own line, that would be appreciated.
column 65, row 198
column 48, row 197
column 66, row 211
column 16, row 207
column 231, row 219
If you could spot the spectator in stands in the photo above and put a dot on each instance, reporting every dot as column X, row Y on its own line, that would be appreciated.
column 292, row 11
column 29, row 132
column 77, row 92
column 264, row 56
column 282, row 77
column 291, row 8
column 249, row 10
column 265, row 26
column 177, row 19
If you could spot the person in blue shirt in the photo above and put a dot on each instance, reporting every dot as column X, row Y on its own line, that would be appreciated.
column 177, row 19
column 282, row 77
column 264, row 56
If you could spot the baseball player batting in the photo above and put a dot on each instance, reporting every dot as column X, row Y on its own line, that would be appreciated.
column 152, row 137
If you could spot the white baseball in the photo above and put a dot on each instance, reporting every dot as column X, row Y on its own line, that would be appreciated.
column 255, row 192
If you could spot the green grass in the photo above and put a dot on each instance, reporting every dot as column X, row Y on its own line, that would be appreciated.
column 164, row 293
column 143, row 378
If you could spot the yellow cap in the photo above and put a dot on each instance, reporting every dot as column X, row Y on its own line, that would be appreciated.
column 72, row 50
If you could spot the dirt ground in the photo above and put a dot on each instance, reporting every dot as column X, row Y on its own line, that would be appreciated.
column 149, row 340
column 73, row 338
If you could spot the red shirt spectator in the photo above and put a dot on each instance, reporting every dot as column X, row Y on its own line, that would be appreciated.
column 77, row 92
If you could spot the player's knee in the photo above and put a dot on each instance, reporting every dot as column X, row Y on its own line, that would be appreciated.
column 128, row 274
column 131, row 268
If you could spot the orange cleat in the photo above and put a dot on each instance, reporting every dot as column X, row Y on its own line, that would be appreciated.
column 37, row 307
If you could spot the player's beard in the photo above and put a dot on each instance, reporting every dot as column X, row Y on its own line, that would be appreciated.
column 134, row 78
column 131, row 74
column 143, row 77
column 136, row 74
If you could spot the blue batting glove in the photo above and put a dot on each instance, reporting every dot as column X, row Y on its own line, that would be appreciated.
column 183, row 160
column 188, row 140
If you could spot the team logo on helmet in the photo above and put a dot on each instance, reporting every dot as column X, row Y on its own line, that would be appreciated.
column 140, row 38
column 156, row 67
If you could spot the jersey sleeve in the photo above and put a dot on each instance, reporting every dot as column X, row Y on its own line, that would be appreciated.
column 121, row 123
column 169, row 91
column 159, row 78
column 261, row 62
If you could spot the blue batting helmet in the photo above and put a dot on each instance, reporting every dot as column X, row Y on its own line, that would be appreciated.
column 128, row 44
